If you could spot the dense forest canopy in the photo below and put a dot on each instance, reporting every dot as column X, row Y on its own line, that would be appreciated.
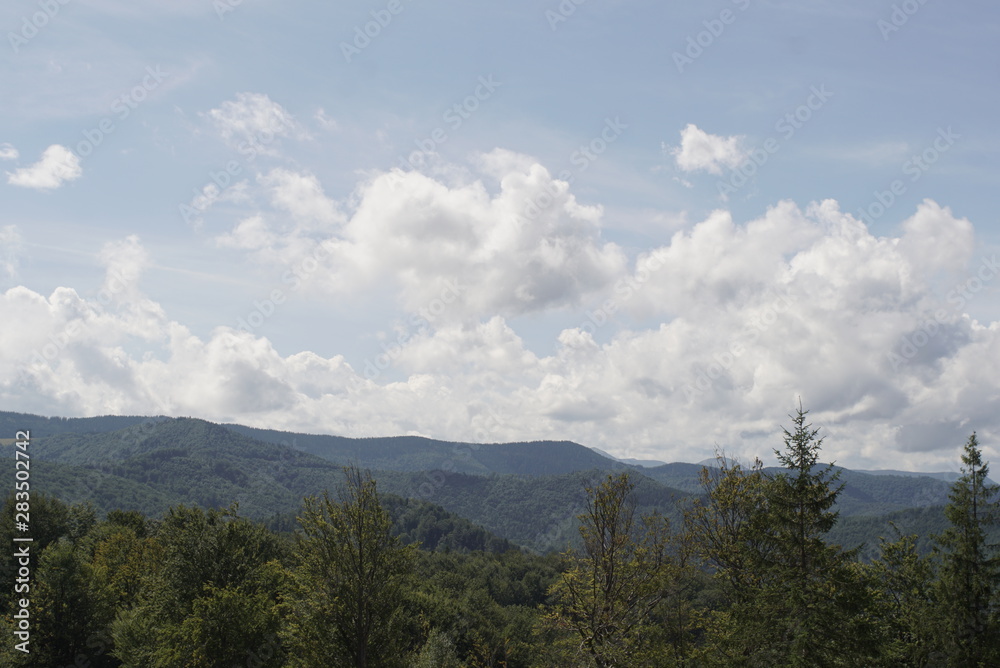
column 744, row 570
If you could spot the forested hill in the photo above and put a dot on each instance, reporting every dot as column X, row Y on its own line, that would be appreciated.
column 49, row 426
column 152, row 466
column 194, row 580
column 528, row 493
column 415, row 453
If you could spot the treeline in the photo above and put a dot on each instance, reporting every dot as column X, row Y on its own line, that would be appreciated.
column 746, row 578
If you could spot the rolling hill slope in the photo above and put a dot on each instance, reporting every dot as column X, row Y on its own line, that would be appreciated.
column 529, row 493
column 415, row 453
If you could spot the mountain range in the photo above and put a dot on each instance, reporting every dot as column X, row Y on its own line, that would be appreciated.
column 526, row 493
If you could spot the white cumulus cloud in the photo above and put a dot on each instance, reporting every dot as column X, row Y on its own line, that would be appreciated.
column 701, row 151
column 528, row 247
column 57, row 165
column 705, row 341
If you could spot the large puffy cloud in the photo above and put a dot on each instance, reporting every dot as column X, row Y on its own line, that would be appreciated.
column 748, row 318
column 527, row 247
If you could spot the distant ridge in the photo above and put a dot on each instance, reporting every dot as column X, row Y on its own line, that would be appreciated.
column 644, row 463
column 416, row 453
column 530, row 493
column 50, row 426
column 947, row 476
column 404, row 453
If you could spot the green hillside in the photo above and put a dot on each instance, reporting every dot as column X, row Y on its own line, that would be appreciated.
column 538, row 512
column 150, row 467
column 415, row 453
column 527, row 493
column 11, row 423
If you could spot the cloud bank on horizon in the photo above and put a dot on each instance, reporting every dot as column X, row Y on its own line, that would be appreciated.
column 408, row 260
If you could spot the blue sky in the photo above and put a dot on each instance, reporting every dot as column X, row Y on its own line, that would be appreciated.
column 647, row 227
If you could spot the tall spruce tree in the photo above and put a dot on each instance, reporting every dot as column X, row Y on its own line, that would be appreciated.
column 817, row 588
column 794, row 600
column 902, row 588
column 969, row 581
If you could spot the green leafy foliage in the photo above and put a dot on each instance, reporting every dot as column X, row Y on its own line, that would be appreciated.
column 349, row 594
column 609, row 594
column 175, row 542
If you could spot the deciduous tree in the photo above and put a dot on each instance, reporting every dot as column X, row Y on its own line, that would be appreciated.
column 609, row 592
column 351, row 580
